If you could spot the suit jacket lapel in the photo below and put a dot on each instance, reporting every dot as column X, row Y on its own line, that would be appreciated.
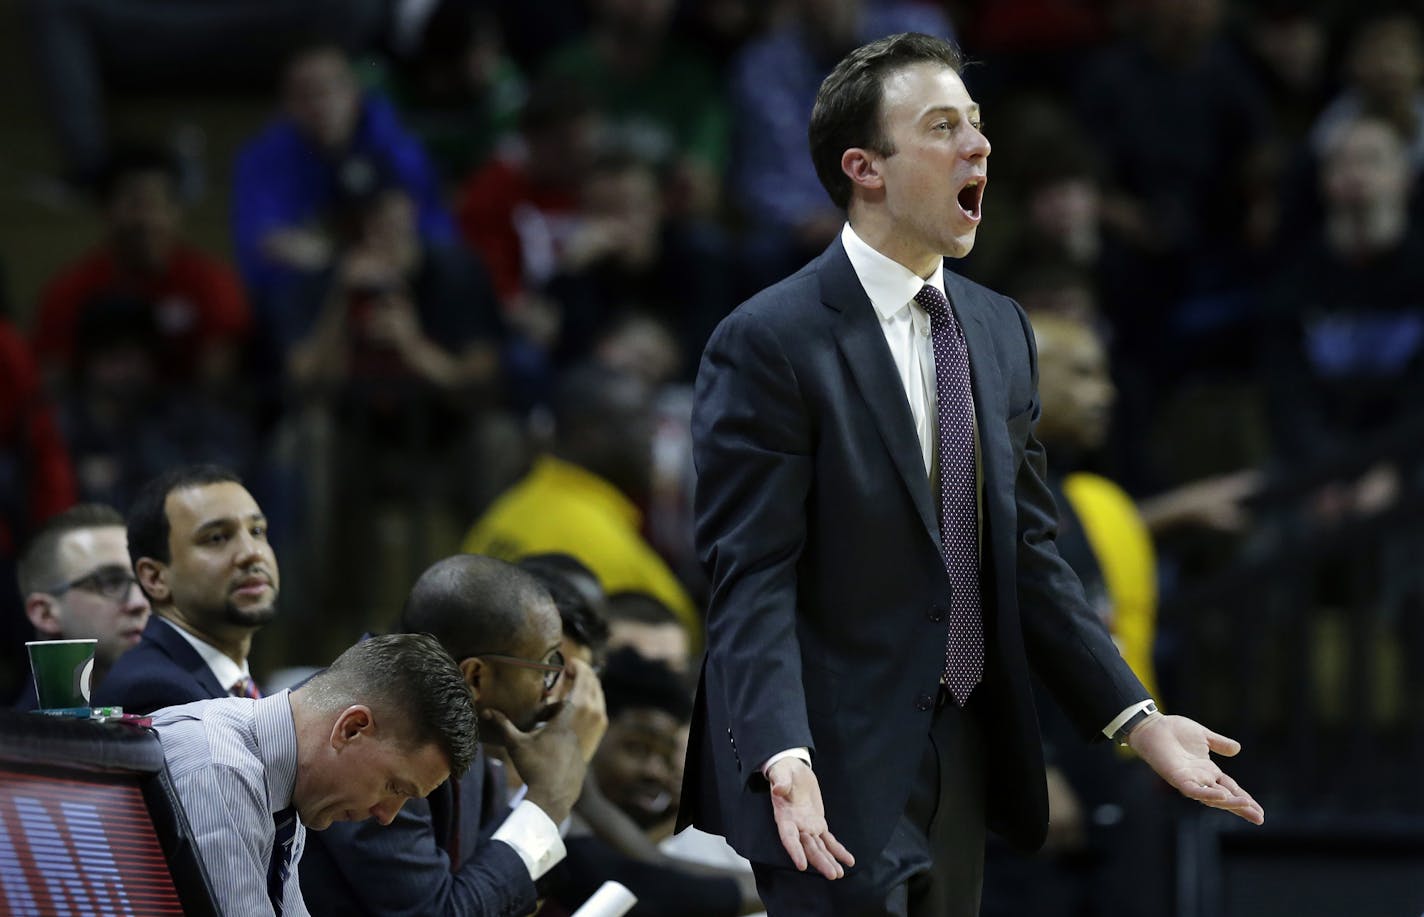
column 985, row 379
column 181, row 652
column 863, row 342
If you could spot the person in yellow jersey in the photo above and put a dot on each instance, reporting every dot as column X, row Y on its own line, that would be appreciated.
column 1104, row 819
column 582, row 496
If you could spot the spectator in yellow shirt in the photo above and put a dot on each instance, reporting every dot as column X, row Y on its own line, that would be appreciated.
column 582, row 496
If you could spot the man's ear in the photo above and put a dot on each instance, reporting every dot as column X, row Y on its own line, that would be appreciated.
column 475, row 672
column 352, row 723
column 43, row 611
column 862, row 167
column 153, row 579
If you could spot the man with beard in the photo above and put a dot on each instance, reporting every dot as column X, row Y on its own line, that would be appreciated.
column 199, row 547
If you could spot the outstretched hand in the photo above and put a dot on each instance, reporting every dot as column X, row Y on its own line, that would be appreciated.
column 1179, row 750
column 801, row 819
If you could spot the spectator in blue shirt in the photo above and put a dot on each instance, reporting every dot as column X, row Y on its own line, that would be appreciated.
column 331, row 145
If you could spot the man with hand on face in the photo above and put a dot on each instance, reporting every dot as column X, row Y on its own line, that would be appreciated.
column 389, row 721
column 872, row 513
column 199, row 546
column 77, row 584
column 464, row 851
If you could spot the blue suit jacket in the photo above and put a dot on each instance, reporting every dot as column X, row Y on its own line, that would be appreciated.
column 162, row 671
column 404, row 868
column 29, row 698
column 827, row 621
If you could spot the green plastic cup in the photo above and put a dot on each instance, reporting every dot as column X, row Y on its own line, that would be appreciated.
column 63, row 671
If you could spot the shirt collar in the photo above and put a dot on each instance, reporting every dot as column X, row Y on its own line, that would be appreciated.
column 277, row 744
column 890, row 285
column 223, row 668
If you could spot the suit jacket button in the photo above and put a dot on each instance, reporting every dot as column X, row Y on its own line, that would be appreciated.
column 924, row 702
column 936, row 613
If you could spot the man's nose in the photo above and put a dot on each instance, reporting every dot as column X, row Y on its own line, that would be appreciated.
column 385, row 812
column 249, row 547
column 134, row 601
column 979, row 145
column 657, row 769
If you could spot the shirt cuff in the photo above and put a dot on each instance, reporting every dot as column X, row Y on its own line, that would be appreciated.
column 1111, row 729
column 534, row 836
column 803, row 753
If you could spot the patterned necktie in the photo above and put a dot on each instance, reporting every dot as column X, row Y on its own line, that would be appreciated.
column 245, row 687
column 958, row 497
column 280, row 866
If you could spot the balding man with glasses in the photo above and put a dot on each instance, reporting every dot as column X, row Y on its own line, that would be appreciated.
column 77, row 584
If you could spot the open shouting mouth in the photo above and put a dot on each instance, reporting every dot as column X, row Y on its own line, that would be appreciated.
column 971, row 198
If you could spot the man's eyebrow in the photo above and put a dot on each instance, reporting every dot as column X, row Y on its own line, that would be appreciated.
column 972, row 109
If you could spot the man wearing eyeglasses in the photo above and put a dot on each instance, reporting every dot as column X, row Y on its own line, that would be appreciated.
column 198, row 541
column 464, row 850
column 77, row 585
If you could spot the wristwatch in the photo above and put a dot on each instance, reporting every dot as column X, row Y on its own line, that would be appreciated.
column 1120, row 737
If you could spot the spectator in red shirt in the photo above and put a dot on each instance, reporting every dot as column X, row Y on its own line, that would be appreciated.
column 36, row 482
column 198, row 305
column 518, row 211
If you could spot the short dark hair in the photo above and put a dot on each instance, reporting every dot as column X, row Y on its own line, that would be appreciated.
column 414, row 684
column 588, row 397
column 640, row 607
column 583, row 622
column 148, row 516
column 472, row 604
column 307, row 45
column 848, row 105
column 633, row 682
column 552, row 101
column 136, row 160
column 37, row 569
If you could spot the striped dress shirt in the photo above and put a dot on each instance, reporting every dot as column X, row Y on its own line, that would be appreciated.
column 233, row 762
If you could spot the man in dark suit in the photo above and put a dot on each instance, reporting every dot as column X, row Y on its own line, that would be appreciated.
column 463, row 850
column 872, row 513
column 199, row 547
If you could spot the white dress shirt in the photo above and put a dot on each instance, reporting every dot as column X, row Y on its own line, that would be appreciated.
column 892, row 288
column 219, row 663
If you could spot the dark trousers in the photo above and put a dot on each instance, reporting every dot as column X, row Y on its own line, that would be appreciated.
column 933, row 863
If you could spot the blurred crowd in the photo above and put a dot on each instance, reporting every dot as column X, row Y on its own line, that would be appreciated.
column 478, row 247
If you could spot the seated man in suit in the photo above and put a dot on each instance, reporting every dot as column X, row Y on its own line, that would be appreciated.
column 389, row 721
column 464, row 850
column 199, row 547
column 77, row 584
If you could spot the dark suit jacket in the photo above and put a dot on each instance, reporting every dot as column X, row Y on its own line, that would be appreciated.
column 404, row 868
column 163, row 670
column 829, row 606
column 29, row 698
